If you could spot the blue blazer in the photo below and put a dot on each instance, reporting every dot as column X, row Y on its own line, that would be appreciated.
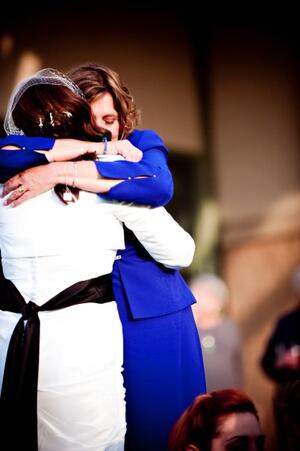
column 149, row 289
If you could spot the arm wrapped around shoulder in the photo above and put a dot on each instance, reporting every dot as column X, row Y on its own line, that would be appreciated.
column 165, row 240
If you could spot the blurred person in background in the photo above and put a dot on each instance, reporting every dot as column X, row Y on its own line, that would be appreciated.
column 223, row 420
column 219, row 334
column 163, row 367
column 280, row 362
column 281, row 357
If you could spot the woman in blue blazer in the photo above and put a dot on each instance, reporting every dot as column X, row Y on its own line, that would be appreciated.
column 163, row 366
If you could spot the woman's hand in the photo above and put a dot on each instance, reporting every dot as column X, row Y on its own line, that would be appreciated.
column 126, row 149
column 29, row 184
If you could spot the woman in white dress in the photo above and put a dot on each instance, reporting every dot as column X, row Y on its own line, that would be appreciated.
column 60, row 333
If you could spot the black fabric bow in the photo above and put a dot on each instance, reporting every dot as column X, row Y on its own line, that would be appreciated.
column 18, row 403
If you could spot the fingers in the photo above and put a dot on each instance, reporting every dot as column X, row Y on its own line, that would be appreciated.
column 11, row 185
column 138, row 155
column 17, row 196
column 127, row 150
column 14, row 202
column 132, row 154
column 15, row 191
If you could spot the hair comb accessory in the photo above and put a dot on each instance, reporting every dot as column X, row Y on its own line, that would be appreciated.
column 52, row 123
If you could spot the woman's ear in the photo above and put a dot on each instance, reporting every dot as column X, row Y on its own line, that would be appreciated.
column 192, row 448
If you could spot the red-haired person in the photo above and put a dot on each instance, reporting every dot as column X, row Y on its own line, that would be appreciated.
column 223, row 420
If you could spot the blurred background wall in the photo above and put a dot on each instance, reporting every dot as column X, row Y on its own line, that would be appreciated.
column 222, row 91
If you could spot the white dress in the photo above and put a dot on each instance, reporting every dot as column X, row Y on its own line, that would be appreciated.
column 47, row 246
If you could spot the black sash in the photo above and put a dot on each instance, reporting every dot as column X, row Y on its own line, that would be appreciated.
column 18, row 403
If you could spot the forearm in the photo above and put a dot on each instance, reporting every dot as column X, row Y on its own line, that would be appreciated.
column 82, row 175
column 93, row 186
column 57, row 172
column 82, row 169
column 69, row 149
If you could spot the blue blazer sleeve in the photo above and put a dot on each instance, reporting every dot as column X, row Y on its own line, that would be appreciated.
column 27, row 142
column 14, row 161
column 156, row 189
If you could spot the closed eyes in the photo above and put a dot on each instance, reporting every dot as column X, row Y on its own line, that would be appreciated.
column 109, row 119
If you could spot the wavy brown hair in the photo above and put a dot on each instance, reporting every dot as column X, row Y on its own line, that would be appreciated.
column 94, row 80
column 200, row 422
column 55, row 111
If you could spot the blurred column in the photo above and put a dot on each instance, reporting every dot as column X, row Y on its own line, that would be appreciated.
column 206, row 226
